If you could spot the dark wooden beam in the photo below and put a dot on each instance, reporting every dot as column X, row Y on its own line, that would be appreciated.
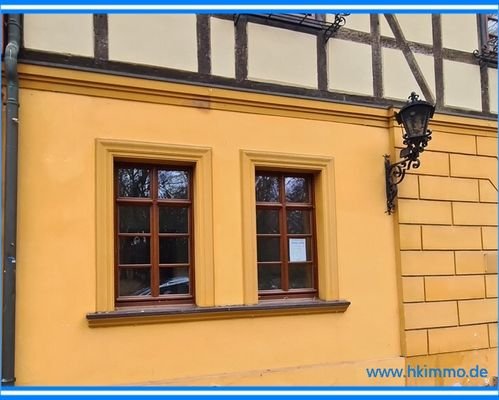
column 409, row 56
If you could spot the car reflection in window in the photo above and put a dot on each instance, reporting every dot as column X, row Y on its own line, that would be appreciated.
column 173, row 286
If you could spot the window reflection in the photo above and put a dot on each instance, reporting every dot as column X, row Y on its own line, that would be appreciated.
column 267, row 221
column 296, row 190
column 173, row 220
column 173, row 184
column 134, row 182
column 298, row 221
column 135, row 282
column 173, row 250
column 268, row 249
column 285, row 234
column 134, row 250
column 300, row 276
column 267, row 188
column 269, row 277
column 134, row 219
column 174, row 280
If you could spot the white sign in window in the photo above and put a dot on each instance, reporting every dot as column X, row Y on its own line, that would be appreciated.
column 297, row 250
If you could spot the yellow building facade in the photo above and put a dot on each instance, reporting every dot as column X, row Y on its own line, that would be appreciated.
column 418, row 287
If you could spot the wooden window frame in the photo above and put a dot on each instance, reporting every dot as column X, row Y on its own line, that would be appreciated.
column 487, row 52
column 106, row 314
column 322, row 169
column 485, row 34
column 155, row 203
column 108, row 151
column 283, row 206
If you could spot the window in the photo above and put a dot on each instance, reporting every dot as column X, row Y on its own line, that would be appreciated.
column 327, row 24
column 131, row 175
column 285, row 228
column 488, row 37
column 153, row 240
column 490, row 21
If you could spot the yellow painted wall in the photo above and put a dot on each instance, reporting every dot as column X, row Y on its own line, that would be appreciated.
column 63, row 113
column 448, row 235
column 56, row 255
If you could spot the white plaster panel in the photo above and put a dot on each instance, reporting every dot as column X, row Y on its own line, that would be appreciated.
column 398, row 79
column 223, row 57
column 459, row 31
column 427, row 66
column 358, row 22
column 60, row 33
column 350, row 67
column 282, row 56
column 462, row 85
column 416, row 27
column 384, row 28
column 493, row 89
column 154, row 39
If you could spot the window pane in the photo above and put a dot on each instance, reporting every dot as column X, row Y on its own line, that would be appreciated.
column 267, row 221
column 134, row 219
column 173, row 250
column 134, row 182
column 299, row 249
column 135, row 282
column 173, row 220
column 298, row 221
column 300, row 276
column 174, row 280
column 296, row 189
column 269, row 277
column 492, row 27
column 268, row 249
column 134, row 250
column 173, row 184
column 267, row 188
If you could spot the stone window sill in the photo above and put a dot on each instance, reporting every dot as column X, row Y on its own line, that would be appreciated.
column 152, row 315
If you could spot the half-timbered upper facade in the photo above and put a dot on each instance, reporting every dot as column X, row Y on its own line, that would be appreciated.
column 358, row 58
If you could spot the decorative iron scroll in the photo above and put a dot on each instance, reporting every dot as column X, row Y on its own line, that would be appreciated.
column 414, row 145
column 488, row 53
column 314, row 21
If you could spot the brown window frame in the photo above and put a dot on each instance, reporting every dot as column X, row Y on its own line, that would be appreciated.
column 155, row 203
column 283, row 206
column 486, row 35
column 487, row 52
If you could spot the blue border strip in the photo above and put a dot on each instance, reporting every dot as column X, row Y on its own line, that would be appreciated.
column 253, row 6
column 326, row 3
column 197, row 393
column 340, row 392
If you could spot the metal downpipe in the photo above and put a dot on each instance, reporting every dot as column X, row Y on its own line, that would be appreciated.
column 10, row 209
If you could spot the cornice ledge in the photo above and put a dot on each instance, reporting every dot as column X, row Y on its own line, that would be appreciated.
column 145, row 90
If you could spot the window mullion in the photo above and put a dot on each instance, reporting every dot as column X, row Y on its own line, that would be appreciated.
column 284, row 238
column 155, row 235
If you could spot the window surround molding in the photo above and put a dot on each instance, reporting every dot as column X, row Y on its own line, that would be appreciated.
column 323, row 169
column 107, row 151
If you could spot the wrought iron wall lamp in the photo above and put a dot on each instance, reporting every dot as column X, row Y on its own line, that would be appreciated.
column 414, row 117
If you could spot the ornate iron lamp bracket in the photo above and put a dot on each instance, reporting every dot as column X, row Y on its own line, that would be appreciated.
column 488, row 53
column 415, row 144
column 394, row 174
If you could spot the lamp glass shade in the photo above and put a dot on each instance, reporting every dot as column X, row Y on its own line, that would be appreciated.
column 415, row 117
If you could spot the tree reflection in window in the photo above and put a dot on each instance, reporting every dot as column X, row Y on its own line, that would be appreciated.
column 134, row 182
column 267, row 188
column 173, row 184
